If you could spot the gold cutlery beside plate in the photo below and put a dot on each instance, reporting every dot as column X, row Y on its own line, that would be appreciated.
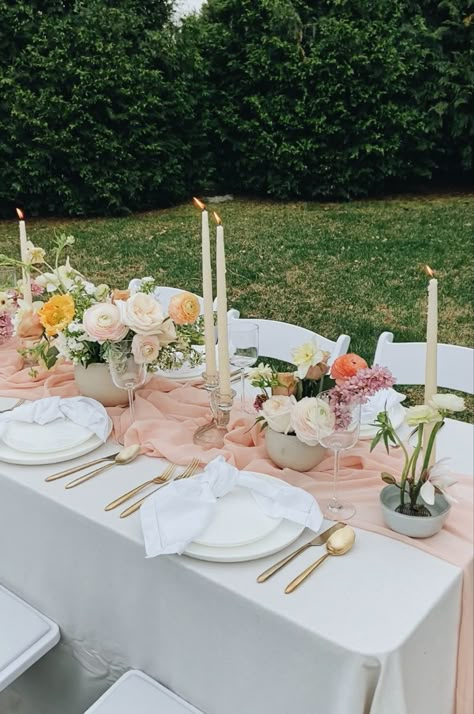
column 191, row 470
column 318, row 540
column 167, row 475
column 125, row 456
column 339, row 543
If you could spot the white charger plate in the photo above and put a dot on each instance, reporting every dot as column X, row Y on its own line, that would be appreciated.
column 57, row 435
column 238, row 521
column 8, row 403
column 285, row 533
column 12, row 456
column 183, row 373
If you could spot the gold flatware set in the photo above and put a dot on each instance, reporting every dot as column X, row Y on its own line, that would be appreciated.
column 338, row 539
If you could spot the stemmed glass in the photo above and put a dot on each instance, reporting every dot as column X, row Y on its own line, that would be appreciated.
column 342, row 435
column 125, row 372
column 243, row 351
column 7, row 278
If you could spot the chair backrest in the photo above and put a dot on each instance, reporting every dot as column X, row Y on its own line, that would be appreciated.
column 278, row 339
column 165, row 293
column 406, row 361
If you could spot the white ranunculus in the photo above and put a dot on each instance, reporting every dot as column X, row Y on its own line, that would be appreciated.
column 313, row 419
column 422, row 414
column 277, row 412
column 307, row 355
column 142, row 313
column 440, row 478
column 447, row 402
column 260, row 372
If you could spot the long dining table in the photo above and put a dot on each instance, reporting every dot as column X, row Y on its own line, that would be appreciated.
column 373, row 633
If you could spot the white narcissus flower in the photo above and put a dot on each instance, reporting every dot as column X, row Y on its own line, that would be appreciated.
column 48, row 281
column 447, row 402
column 307, row 355
column 439, row 478
column 260, row 372
column 422, row 414
column 277, row 412
column 34, row 254
column 313, row 418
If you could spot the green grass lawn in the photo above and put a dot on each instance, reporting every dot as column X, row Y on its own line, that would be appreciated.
column 334, row 267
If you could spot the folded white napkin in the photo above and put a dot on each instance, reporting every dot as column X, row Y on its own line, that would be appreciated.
column 80, row 410
column 386, row 398
column 178, row 513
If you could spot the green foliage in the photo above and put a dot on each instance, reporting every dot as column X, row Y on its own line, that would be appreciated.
column 93, row 116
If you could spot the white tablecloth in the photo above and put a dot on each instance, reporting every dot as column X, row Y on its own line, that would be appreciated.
column 374, row 632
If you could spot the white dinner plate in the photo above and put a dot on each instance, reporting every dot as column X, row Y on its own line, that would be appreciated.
column 57, row 435
column 183, row 373
column 283, row 535
column 8, row 403
column 12, row 456
column 238, row 521
column 397, row 415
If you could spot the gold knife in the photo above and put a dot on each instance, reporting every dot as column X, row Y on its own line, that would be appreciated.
column 319, row 540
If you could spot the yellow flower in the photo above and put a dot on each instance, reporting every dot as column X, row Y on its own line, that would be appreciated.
column 56, row 314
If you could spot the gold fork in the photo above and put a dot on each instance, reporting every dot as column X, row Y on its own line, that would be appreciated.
column 162, row 478
column 189, row 471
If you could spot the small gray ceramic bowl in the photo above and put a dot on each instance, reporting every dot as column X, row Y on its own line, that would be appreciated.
column 413, row 526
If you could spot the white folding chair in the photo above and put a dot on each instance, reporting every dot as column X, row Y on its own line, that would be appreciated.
column 25, row 636
column 137, row 693
column 406, row 361
column 278, row 339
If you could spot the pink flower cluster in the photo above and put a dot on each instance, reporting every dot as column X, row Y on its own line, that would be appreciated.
column 6, row 326
column 358, row 390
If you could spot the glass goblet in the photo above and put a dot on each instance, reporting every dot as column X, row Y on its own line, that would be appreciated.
column 243, row 351
column 126, row 373
column 342, row 435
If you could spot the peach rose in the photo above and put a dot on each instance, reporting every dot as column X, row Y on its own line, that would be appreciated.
column 287, row 384
column 184, row 308
column 28, row 326
column 141, row 312
column 346, row 366
column 145, row 348
column 318, row 370
column 102, row 323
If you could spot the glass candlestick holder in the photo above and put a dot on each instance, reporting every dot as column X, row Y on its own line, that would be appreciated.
column 212, row 435
column 211, row 381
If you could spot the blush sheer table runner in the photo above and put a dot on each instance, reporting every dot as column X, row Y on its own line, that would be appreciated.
column 379, row 681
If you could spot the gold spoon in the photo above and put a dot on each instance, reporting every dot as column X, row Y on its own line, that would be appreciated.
column 338, row 543
column 128, row 454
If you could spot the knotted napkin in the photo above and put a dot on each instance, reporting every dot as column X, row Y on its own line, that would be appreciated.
column 180, row 511
column 81, row 410
column 385, row 399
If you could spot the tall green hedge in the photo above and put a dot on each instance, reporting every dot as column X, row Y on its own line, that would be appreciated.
column 106, row 106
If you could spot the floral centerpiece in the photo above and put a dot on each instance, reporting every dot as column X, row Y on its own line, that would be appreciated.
column 72, row 319
column 284, row 408
column 420, row 481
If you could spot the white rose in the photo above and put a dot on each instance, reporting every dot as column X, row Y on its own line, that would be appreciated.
column 167, row 332
column 313, row 419
column 142, row 313
column 421, row 414
column 447, row 403
column 307, row 355
column 277, row 412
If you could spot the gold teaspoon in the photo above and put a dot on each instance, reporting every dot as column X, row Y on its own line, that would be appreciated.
column 123, row 457
column 339, row 543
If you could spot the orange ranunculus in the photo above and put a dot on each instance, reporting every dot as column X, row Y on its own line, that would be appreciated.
column 28, row 326
column 347, row 366
column 287, row 384
column 56, row 314
column 120, row 294
column 184, row 308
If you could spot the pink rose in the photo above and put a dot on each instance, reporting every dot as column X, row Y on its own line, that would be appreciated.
column 145, row 348
column 102, row 323
column 28, row 325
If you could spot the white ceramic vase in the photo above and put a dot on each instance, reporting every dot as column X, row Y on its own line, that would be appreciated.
column 287, row 451
column 413, row 526
column 95, row 381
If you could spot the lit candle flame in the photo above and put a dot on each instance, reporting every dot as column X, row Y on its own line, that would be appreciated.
column 20, row 214
column 217, row 218
column 429, row 271
column 199, row 203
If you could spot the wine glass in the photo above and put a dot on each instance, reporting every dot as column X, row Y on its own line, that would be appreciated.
column 243, row 350
column 7, row 278
column 340, row 436
column 126, row 373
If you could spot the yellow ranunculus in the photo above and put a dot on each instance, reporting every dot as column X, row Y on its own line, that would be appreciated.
column 56, row 314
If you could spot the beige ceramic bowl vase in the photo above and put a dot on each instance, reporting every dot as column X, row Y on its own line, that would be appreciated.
column 288, row 452
column 95, row 381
